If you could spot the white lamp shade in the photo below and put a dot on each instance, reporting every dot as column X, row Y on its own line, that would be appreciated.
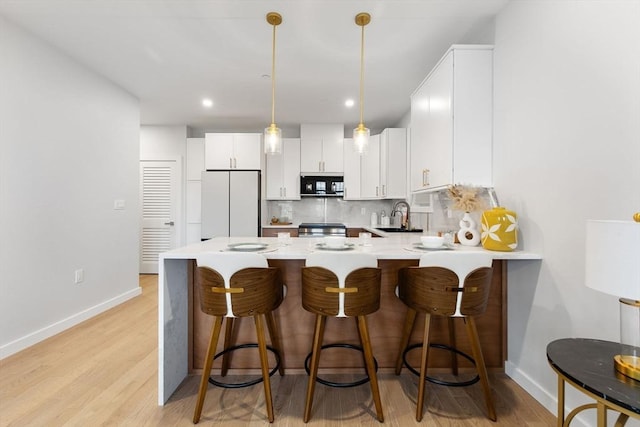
column 613, row 258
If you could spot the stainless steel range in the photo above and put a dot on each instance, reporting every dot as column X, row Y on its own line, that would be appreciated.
column 321, row 229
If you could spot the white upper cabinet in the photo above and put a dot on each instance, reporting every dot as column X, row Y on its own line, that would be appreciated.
column 451, row 121
column 283, row 172
column 351, row 171
column 321, row 148
column 382, row 172
column 232, row 151
column 195, row 158
column 370, row 187
column 393, row 163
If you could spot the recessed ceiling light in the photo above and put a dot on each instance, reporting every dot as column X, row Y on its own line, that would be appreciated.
column 349, row 103
column 207, row 103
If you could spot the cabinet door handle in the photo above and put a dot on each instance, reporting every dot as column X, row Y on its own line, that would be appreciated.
column 384, row 190
column 285, row 191
column 235, row 165
column 376, row 191
column 280, row 191
column 230, row 163
column 425, row 177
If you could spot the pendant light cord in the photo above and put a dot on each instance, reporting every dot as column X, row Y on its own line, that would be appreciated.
column 362, row 76
column 273, row 77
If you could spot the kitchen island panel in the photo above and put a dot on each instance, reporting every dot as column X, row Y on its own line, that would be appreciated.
column 385, row 327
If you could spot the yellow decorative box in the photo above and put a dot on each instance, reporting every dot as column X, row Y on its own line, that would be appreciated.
column 499, row 230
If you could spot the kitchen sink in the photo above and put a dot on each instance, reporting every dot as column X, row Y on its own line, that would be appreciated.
column 398, row 230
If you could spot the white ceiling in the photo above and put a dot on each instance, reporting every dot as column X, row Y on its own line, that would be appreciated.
column 172, row 53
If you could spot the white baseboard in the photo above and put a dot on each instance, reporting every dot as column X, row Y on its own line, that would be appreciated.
column 20, row 344
column 544, row 397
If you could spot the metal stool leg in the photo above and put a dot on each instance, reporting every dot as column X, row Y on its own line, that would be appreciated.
column 423, row 366
column 315, row 359
column 264, row 363
column 480, row 366
column 371, row 369
column 406, row 334
column 452, row 344
column 202, row 391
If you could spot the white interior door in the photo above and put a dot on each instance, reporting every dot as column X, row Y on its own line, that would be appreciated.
column 158, row 193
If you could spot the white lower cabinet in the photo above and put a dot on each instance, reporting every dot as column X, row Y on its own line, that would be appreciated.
column 451, row 121
column 283, row 172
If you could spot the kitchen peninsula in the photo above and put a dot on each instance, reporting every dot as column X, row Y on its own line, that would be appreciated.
column 183, row 329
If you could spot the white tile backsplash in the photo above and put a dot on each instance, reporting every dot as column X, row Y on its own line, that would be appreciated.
column 326, row 209
column 356, row 213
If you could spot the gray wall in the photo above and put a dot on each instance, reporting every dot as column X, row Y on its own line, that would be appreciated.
column 566, row 149
column 69, row 148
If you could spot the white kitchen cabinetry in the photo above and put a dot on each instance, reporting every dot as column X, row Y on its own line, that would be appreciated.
column 393, row 163
column 321, row 148
column 283, row 171
column 382, row 172
column 195, row 167
column 224, row 151
column 451, row 121
column 370, row 187
column 351, row 171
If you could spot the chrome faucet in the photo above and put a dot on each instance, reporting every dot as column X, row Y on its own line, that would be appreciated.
column 404, row 220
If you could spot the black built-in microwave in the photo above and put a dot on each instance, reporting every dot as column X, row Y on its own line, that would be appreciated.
column 321, row 186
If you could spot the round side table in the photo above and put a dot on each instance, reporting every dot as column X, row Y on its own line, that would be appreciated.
column 587, row 364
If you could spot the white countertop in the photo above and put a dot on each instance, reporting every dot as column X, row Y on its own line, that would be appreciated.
column 395, row 246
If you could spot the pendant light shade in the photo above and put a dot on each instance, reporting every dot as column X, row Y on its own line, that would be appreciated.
column 273, row 134
column 361, row 133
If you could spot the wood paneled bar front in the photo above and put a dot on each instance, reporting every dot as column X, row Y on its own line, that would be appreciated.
column 183, row 329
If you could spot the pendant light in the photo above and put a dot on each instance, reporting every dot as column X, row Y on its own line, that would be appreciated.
column 361, row 133
column 273, row 134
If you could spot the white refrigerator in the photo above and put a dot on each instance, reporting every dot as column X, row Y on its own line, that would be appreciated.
column 230, row 204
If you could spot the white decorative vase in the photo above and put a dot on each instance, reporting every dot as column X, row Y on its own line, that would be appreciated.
column 468, row 234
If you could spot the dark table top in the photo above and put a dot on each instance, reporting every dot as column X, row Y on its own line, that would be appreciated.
column 589, row 364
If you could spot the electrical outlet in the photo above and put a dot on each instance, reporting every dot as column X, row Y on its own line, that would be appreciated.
column 79, row 276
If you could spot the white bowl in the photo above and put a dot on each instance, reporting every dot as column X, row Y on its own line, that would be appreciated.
column 432, row 241
column 335, row 241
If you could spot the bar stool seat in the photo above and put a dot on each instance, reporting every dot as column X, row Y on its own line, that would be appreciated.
column 341, row 285
column 451, row 285
column 234, row 285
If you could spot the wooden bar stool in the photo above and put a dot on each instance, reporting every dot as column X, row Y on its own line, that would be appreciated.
column 453, row 285
column 238, row 285
column 341, row 285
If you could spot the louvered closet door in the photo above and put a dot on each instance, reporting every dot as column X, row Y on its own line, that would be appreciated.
column 158, row 183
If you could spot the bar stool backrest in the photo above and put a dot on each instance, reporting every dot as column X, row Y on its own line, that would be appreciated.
column 357, row 275
column 448, row 283
column 237, row 284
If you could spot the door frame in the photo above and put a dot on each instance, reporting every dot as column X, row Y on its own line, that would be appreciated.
column 180, row 223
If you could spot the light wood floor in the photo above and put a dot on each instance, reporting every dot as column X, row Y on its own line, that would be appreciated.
column 104, row 372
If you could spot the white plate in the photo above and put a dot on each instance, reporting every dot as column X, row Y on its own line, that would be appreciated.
column 324, row 247
column 424, row 248
column 247, row 247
